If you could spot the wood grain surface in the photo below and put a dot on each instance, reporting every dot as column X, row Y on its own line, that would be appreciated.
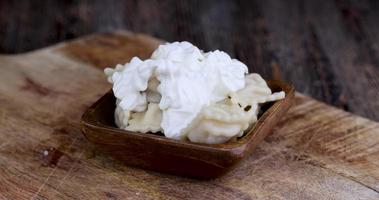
column 328, row 49
column 315, row 152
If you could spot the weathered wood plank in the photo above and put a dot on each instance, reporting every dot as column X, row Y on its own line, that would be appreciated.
column 298, row 50
column 316, row 152
column 349, row 56
column 294, row 41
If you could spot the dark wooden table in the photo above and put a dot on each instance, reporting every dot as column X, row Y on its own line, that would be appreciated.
column 328, row 49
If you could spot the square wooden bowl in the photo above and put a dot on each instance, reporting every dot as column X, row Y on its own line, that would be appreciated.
column 184, row 158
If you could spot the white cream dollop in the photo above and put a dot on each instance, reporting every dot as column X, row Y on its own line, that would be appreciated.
column 189, row 80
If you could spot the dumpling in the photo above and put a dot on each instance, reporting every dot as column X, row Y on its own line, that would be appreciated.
column 220, row 122
column 255, row 91
column 229, row 118
column 148, row 121
column 121, row 116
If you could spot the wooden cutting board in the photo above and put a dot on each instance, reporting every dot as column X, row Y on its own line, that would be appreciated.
column 316, row 151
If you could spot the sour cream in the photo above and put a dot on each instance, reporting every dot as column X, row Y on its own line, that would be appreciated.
column 189, row 80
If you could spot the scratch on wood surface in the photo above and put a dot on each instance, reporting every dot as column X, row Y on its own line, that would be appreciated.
column 70, row 170
column 43, row 184
column 275, row 151
column 37, row 88
column 347, row 177
column 33, row 86
column 347, row 143
column 353, row 133
column 55, row 163
column 3, row 197
column 309, row 141
column 3, row 145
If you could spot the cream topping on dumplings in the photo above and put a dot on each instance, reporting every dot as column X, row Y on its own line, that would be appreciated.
column 188, row 94
column 189, row 80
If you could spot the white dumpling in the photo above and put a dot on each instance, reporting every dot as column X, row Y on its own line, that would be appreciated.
column 255, row 91
column 227, row 119
column 148, row 121
column 204, row 132
column 121, row 116
column 220, row 122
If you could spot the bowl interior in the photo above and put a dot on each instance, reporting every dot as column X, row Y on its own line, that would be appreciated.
column 101, row 115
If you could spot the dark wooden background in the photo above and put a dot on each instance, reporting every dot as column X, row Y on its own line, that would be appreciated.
column 328, row 49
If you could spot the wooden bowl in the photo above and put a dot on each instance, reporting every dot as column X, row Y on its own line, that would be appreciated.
column 184, row 158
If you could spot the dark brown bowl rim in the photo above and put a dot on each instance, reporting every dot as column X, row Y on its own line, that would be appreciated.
column 89, row 121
